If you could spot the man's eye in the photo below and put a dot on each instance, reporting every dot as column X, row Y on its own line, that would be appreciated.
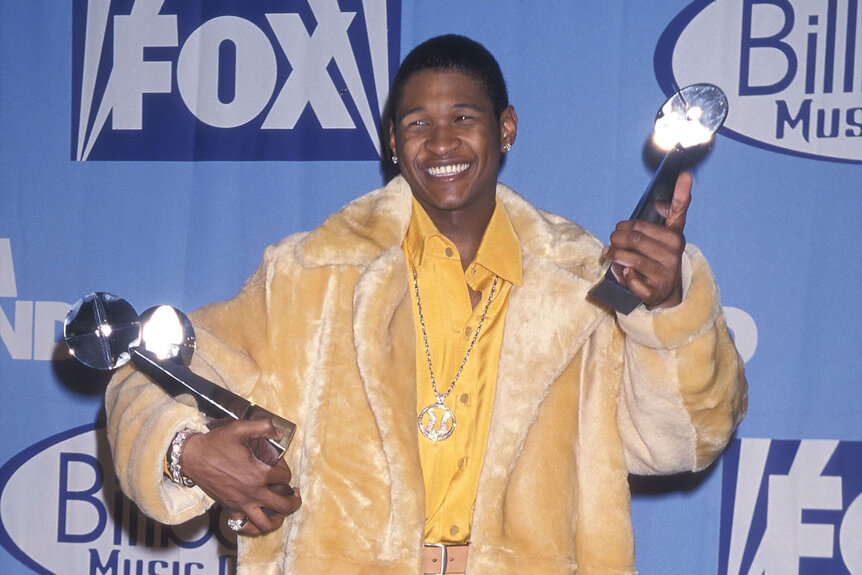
column 465, row 119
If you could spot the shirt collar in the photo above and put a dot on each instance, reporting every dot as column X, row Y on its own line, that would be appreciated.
column 500, row 249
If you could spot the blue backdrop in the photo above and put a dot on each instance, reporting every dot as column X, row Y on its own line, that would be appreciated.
column 153, row 148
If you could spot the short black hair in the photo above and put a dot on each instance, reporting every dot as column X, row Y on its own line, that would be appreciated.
column 454, row 53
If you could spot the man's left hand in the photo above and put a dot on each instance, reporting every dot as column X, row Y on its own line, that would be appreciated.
column 647, row 258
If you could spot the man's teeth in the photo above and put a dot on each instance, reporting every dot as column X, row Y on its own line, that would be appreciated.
column 448, row 170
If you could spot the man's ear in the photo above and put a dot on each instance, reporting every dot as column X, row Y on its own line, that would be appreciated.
column 508, row 126
column 392, row 137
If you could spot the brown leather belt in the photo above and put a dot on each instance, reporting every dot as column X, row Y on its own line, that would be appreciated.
column 439, row 559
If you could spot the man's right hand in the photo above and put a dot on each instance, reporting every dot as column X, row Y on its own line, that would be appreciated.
column 223, row 464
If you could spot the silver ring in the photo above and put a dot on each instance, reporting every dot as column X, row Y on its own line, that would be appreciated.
column 236, row 525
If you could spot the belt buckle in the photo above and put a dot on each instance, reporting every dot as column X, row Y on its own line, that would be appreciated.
column 444, row 556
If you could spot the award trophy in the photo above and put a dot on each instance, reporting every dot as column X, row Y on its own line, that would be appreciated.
column 687, row 120
column 103, row 331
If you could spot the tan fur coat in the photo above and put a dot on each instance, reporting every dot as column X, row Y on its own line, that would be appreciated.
column 323, row 334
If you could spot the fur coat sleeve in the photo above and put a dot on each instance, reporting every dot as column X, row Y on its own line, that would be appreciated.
column 683, row 390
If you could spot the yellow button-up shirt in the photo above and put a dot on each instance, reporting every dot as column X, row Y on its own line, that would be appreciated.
column 451, row 466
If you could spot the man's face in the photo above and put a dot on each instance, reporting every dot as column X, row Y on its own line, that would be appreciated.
column 449, row 143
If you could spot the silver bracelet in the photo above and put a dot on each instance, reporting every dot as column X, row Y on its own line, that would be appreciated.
column 177, row 444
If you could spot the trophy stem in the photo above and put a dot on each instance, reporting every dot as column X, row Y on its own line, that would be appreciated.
column 660, row 188
column 213, row 400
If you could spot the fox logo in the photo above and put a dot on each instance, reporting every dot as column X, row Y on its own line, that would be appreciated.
column 220, row 80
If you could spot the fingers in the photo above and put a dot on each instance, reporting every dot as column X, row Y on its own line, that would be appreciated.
column 238, row 523
column 675, row 219
column 265, row 449
column 647, row 259
column 280, row 505
column 653, row 294
column 278, row 474
column 224, row 464
column 260, row 520
column 644, row 246
column 254, row 428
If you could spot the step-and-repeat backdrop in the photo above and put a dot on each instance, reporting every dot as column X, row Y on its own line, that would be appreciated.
column 153, row 148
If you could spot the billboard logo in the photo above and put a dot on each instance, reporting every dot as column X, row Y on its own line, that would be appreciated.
column 791, row 508
column 224, row 80
column 88, row 526
column 792, row 70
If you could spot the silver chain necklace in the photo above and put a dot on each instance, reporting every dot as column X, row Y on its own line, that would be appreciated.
column 428, row 417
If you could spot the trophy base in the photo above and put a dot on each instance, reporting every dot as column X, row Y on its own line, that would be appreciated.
column 609, row 292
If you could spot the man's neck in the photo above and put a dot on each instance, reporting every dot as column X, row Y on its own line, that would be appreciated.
column 464, row 228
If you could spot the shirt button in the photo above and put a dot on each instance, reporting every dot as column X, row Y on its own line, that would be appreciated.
column 454, row 530
column 462, row 462
column 468, row 331
column 449, row 252
column 465, row 398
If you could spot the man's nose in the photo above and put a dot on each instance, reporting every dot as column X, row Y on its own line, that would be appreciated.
column 442, row 140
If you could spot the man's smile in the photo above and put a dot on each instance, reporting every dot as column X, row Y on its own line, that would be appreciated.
column 447, row 170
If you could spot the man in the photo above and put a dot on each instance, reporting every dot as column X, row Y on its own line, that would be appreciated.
column 459, row 401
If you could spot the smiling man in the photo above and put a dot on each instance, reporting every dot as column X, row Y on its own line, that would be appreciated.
column 461, row 406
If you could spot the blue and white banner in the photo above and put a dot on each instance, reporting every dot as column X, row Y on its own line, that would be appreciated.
column 154, row 148
column 792, row 507
column 87, row 525
column 227, row 80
